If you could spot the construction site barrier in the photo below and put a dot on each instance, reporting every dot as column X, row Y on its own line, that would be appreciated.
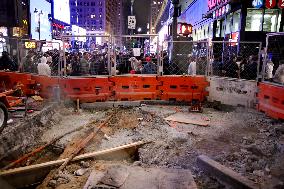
column 86, row 89
column 46, row 85
column 9, row 80
column 131, row 88
column 271, row 99
column 183, row 88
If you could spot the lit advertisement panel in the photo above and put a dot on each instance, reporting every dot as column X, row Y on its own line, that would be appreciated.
column 62, row 10
column 45, row 26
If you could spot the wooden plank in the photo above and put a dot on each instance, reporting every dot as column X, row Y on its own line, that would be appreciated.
column 22, row 170
column 188, row 119
column 224, row 174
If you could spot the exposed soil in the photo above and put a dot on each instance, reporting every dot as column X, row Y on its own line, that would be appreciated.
column 242, row 139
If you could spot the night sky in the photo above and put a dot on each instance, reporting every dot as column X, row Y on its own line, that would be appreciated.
column 142, row 13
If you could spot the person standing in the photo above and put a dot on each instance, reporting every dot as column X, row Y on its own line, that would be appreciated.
column 43, row 68
column 84, row 64
column 192, row 66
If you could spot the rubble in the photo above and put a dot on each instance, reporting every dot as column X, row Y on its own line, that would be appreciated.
column 240, row 139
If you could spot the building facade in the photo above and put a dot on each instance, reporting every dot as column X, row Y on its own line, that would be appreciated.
column 103, row 16
column 232, row 20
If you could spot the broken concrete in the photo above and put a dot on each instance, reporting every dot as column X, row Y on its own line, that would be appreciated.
column 129, row 177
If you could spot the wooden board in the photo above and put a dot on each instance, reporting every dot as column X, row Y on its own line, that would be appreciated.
column 189, row 118
column 23, row 170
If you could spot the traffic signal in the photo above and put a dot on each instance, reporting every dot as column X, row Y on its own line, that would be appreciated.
column 184, row 29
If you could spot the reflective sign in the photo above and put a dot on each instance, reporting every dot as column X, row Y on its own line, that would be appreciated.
column 281, row 4
column 257, row 3
column 270, row 4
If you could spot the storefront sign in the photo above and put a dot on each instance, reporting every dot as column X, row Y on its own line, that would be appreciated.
column 270, row 4
column 281, row 4
column 30, row 45
column 257, row 3
column 214, row 3
column 221, row 11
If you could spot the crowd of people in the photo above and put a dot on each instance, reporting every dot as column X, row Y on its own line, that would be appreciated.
column 51, row 63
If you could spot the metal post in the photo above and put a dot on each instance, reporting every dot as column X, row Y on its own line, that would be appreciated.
column 258, row 62
column 265, row 58
column 108, row 56
column 64, row 58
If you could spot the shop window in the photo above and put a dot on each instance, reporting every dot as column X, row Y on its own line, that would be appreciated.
column 254, row 20
column 236, row 21
column 270, row 20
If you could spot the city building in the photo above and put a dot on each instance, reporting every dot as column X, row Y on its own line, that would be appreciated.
column 104, row 16
column 233, row 20
column 157, row 9
column 60, row 17
column 14, row 18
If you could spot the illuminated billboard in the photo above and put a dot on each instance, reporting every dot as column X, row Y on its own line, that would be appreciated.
column 62, row 10
column 40, row 9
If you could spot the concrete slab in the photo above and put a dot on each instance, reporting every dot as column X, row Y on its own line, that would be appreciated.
column 141, row 178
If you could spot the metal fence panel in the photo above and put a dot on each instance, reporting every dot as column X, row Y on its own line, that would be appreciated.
column 185, row 58
column 34, row 53
column 235, row 60
column 87, row 55
column 273, row 66
column 9, row 59
column 136, row 54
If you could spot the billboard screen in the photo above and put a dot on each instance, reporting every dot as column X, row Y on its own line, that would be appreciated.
column 43, row 8
column 62, row 10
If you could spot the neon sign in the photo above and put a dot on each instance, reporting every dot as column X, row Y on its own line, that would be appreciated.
column 214, row 3
column 30, row 45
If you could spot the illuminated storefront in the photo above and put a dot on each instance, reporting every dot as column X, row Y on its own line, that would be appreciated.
column 245, row 20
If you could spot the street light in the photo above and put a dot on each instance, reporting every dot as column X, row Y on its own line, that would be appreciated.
column 39, row 14
column 139, row 30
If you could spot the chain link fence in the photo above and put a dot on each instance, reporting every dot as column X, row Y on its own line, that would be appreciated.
column 234, row 60
column 273, row 66
column 185, row 58
column 40, row 57
column 136, row 54
column 87, row 55
column 9, row 59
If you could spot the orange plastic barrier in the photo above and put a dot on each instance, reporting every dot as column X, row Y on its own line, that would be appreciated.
column 86, row 89
column 183, row 88
column 129, row 88
column 271, row 100
column 46, row 85
column 9, row 80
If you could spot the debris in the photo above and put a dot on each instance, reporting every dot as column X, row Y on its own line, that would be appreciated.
column 85, row 164
column 107, row 137
column 37, row 98
column 137, row 163
column 80, row 172
column 36, row 167
column 223, row 173
column 188, row 118
column 52, row 183
column 115, row 176
column 10, row 121
column 140, row 119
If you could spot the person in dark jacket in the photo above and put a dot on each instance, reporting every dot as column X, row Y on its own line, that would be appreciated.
column 6, row 63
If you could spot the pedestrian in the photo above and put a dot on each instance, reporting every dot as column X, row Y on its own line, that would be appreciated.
column 43, row 68
column 269, row 70
column 6, row 63
column 231, row 68
column 279, row 74
column 150, row 67
column 250, row 68
column 84, row 64
column 217, row 66
column 191, row 66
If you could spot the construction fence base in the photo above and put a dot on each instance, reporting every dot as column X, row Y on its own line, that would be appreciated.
column 266, row 97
